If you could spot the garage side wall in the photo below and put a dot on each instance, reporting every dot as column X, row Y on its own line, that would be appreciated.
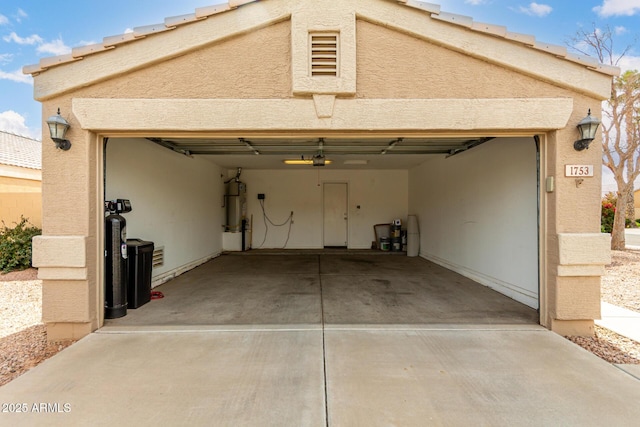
column 477, row 214
column 176, row 202
column 382, row 196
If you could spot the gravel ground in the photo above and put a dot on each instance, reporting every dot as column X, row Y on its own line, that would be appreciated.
column 23, row 339
column 621, row 285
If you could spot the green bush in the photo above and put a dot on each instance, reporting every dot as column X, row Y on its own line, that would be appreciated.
column 15, row 245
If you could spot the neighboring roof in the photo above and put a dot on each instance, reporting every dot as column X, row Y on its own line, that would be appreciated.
column 16, row 150
column 433, row 10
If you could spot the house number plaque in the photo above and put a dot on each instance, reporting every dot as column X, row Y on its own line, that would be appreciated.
column 580, row 171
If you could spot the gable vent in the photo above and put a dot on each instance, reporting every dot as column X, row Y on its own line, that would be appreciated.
column 324, row 54
column 158, row 256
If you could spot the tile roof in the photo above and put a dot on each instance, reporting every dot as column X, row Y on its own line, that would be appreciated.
column 433, row 10
column 16, row 150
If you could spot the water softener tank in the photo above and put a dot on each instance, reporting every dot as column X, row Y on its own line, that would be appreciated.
column 115, row 299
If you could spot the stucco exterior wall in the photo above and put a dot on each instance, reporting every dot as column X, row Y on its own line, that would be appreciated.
column 20, row 197
column 250, row 65
column 391, row 64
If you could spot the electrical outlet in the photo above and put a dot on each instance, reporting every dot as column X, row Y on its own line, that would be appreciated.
column 260, row 196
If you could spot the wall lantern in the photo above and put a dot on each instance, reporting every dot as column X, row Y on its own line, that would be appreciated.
column 58, row 128
column 587, row 127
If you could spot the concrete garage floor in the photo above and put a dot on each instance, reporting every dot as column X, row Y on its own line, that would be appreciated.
column 348, row 288
column 325, row 341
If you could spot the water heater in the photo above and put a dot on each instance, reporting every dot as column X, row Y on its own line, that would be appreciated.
column 236, row 202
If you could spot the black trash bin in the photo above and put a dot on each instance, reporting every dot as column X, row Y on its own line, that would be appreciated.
column 140, row 258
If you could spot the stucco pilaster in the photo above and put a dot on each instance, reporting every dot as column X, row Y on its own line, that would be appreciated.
column 578, row 251
column 66, row 263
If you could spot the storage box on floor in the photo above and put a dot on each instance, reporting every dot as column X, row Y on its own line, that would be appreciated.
column 140, row 260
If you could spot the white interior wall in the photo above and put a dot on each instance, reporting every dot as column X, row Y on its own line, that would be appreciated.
column 382, row 196
column 176, row 201
column 477, row 213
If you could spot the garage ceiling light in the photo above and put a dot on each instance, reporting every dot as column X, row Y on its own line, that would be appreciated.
column 303, row 162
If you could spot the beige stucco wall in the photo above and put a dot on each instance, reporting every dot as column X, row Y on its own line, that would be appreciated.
column 243, row 71
column 251, row 65
column 395, row 65
column 20, row 197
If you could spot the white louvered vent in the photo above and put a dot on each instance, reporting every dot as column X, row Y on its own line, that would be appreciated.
column 324, row 54
column 158, row 256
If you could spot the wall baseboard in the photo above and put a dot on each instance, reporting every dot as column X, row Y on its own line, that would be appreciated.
column 168, row 275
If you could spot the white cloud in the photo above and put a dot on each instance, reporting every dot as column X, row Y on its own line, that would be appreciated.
column 31, row 40
column 620, row 30
column 536, row 9
column 618, row 8
column 629, row 63
column 54, row 47
column 6, row 58
column 16, row 76
column 128, row 30
column 12, row 122
column 475, row 2
column 3, row 20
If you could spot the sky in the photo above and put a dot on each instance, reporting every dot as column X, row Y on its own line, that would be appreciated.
column 35, row 29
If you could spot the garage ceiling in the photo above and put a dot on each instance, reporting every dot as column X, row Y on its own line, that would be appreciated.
column 344, row 153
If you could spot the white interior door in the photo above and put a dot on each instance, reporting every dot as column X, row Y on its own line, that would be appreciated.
column 335, row 214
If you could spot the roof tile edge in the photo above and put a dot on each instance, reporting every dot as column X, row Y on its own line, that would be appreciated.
column 428, row 7
column 454, row 18
column 174, row 21
column 150, row 29
column 82, row 51
column 431, row 8
column 494, row 30
column 206, row 11
column 118, row 39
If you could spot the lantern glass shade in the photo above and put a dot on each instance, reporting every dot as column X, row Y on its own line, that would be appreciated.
column 57, row 127
column 588, row 127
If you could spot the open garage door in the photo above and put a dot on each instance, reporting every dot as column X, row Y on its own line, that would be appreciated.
column 475, row 198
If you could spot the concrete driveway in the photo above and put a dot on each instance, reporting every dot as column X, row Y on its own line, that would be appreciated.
column 332, row 365
column 632, row 238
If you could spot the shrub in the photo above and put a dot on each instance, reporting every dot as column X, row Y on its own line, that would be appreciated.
column 608, row 211
column 15, row 245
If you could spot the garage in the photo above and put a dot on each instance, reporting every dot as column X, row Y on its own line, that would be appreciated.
column 397, row 108
column 183, row 211
column 479, row 194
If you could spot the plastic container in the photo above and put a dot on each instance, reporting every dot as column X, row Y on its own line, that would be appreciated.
column 396, row 244
column 140, row 256
column 413, row 236
column 385, row 243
